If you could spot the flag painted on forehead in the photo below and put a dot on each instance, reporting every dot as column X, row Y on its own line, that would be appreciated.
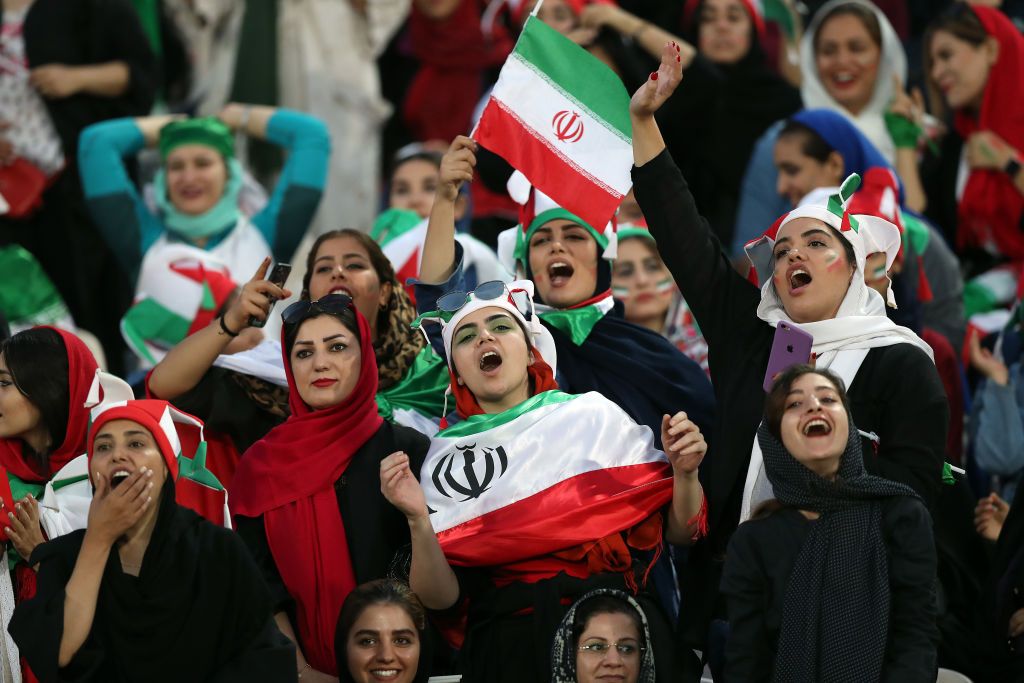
column 561, row 117
column 518, row 485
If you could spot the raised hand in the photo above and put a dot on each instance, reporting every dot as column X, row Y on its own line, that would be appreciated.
column 457, row 166
column 985, row 362
column 400, row 488
column 987, row 150
column 683, row 443
column 989, row 516
column 661, row 84
column 114, row 511
column 22, row 526
column 254, row 299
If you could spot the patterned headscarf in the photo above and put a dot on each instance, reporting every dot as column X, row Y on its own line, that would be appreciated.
column 563, row 650
column 397, row 343
column 835, row 615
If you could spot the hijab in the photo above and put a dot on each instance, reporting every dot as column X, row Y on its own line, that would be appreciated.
column 892, row 60
column 219, row 218
column 858, row 152
column 564, row 651
column 991, row 207
column 81, row 370
column 835, row 614
column 288, row 477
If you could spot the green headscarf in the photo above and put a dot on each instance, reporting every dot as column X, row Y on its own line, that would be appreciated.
column 207, row 131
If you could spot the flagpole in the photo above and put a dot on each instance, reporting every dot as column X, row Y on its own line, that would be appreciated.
column 536, row 8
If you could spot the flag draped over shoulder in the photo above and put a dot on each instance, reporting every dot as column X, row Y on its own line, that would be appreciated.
column 518, row 485
column 561, row 117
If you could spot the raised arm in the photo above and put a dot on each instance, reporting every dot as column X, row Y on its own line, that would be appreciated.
column 685, row 447
column 438, row 262
column 431, row 577
column 185, row 364
column 648, row 36
column 723, row 303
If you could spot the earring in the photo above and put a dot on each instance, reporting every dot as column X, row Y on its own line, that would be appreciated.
column 459, row 381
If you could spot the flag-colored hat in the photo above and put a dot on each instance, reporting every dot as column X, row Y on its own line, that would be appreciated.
column 160, row 418
column 180, row 290
column 536, row 209
column 208, row 131
column 868, row 234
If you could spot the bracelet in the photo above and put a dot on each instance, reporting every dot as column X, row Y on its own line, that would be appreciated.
column 304, row 669
column 1012, row 168
column 243, row 124
column 224, row 327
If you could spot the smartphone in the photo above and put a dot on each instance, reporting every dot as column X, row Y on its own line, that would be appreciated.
column 279, row 275
column 791, row 346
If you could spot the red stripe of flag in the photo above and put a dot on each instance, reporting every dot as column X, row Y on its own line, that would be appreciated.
column 572, row 512
column 571, row 186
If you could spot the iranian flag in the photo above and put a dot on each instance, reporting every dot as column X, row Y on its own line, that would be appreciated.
column 518, row 485
column 561, row 117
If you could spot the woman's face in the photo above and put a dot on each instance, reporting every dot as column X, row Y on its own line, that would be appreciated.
column 342, row 264
column 196, row 176
column 641, row 281
column 490, row 355
column 799, row 174
column 847, row 58
column 563, row 261
column 960, row 69
column 812, row 272
column 325, row 361
column 123, row 447
column 725, row 30
column 413, row 186
column 383, row 645
column 815, row 426
column 555, row 13
column 19, row 417
column 605, row 662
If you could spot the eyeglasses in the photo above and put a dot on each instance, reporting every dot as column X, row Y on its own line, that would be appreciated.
column 485, row 291
column 333, row 304
column 600, row 649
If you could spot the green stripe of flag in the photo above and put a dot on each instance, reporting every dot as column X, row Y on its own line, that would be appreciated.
column 483, row 422
column 580, row 76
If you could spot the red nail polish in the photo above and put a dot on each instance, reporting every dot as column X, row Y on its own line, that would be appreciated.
column 654, row 75
column 679, row 59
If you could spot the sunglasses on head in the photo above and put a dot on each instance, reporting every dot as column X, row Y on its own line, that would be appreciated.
column 486, row 291
column 333, row 304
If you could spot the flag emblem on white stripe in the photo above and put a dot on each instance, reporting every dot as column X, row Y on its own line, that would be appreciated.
column 568, row 126
column 479, row 469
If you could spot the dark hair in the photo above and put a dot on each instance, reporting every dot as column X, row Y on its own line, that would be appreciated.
column 414, row 153
column 961, row 22
column 812, row 144
column 775, row 403
column 866, row 16
column 604, row 604
column 379, row 592
column 38, row 362
column 347, row 318
column 380, row 263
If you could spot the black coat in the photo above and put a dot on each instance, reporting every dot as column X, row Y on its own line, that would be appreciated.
column 897, row 393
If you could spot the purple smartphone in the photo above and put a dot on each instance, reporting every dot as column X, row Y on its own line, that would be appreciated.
column 791, row 346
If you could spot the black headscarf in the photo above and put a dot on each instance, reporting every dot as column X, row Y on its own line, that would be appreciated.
column 563, row 650
column 198, row 609
column 835, row 615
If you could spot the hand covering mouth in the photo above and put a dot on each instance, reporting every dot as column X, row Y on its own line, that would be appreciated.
column 119, row 476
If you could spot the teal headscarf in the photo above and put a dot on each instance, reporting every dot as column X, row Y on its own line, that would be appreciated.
column 221, row 217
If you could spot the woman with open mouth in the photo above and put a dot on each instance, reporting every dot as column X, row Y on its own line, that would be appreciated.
column 148, row 591
column 569, row 263
column 833, row 579
column 810, row 272
column 306, row 498
column 537, row 496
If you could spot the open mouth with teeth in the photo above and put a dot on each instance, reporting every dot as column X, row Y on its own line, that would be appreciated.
column 817, row 427
column 384, row 674
column 798, row 279
column 490, row 361
column 117, row 477
column 339, row 288
column 560, row 272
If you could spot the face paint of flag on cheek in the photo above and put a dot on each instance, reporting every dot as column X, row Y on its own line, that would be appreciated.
column 666, row 285
column 831, row 259
column 621, row 293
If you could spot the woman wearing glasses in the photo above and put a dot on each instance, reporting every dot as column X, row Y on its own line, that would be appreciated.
column 306, row 498
column 537, row 496
column 603, row 637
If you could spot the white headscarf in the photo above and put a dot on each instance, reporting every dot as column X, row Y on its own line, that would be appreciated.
column 892, row 60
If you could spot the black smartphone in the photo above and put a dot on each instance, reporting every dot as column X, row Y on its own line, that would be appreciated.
column 279, row 275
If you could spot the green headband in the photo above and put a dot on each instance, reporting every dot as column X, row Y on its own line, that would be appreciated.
column 207, row 131
column 524, row 237
column 630, row 232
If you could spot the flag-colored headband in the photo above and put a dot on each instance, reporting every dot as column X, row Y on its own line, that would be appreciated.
column 159, row 417
column 208, row 131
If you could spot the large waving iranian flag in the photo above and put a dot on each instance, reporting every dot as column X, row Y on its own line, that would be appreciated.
column 561, row 117
column 518, row 485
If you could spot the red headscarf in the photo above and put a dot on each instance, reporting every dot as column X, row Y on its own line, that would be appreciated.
column 541, row 379
column 991, row 206
column 288, row 477
column 81, row 370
